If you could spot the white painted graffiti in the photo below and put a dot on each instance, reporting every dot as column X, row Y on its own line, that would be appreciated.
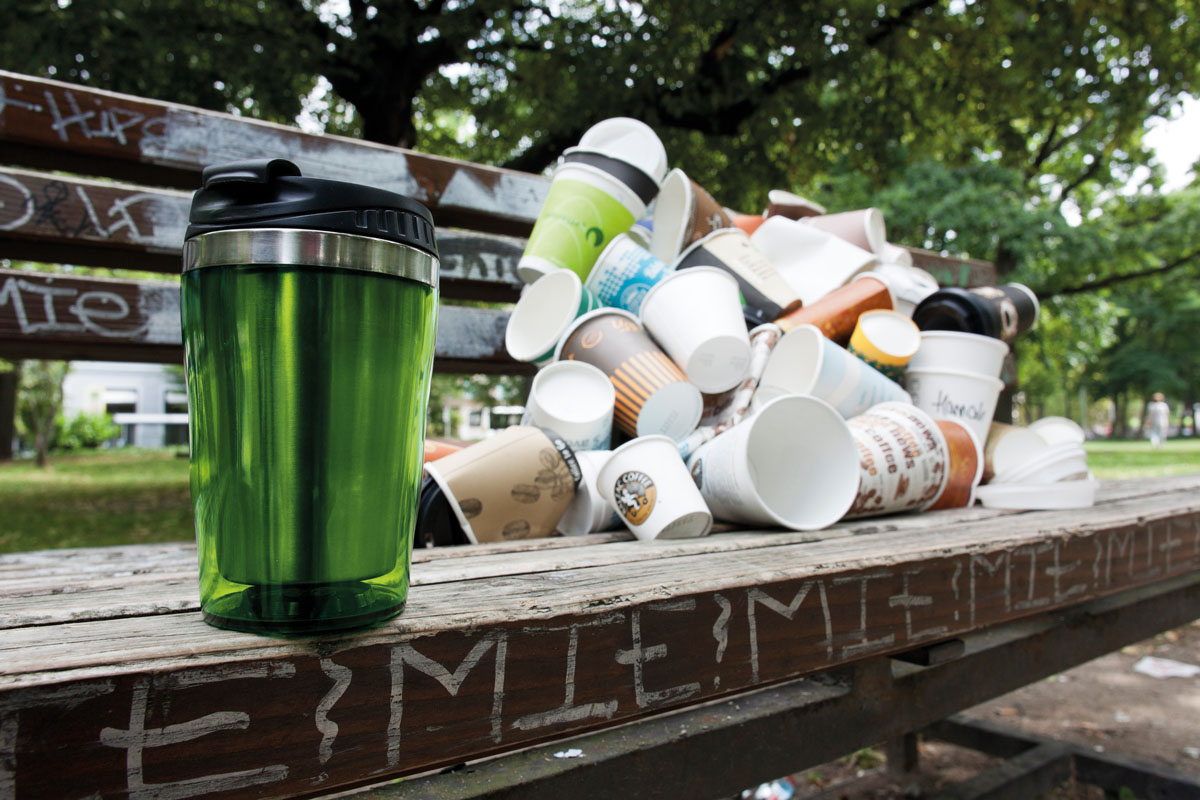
column 89, row 312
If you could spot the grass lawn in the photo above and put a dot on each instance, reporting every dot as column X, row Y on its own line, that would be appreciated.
column 103, row 498
column 138, row 496
column 1113, row 459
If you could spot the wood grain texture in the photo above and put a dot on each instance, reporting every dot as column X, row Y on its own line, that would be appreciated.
column 53, row 125
column 69, row 317
column 498, row 650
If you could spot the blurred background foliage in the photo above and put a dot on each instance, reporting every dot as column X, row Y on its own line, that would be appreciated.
column 1006, row 130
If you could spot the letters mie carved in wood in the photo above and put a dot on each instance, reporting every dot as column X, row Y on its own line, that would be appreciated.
column 321, row 717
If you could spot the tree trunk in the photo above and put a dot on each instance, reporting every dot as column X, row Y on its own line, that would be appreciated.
column 8, row 411
column 1120, row 426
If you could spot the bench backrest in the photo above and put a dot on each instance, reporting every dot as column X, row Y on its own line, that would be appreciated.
column 142, row 159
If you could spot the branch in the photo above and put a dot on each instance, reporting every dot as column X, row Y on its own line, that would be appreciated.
column 541, row 153
column 1113, row 280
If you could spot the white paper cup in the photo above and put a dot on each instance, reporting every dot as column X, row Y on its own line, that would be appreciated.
column 967, row 397
column 961, row 351
column 814, row 262
column 895, row 254
column 792, row 465
column 629, row 140
column 624, row 273
column 805, row 362
column 575, row 400
column 864, row 228
column 588, row 512
column 673, row 210
column 783, row 203
column 544, row 312
column 904, row 460
column 695, row 316
column 647, row 484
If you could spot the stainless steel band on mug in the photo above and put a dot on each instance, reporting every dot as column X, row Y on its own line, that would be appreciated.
column 286, row 247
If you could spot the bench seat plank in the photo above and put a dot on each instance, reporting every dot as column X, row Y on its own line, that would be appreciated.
column 500, row 650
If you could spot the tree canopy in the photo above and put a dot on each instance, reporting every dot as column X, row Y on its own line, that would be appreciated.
column 999, row 129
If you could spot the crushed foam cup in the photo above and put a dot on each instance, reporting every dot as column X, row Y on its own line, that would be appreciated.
column 646, row 483
column 792, row 465
column 696, row 317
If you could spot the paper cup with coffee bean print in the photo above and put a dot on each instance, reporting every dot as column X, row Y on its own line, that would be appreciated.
column 515, row 485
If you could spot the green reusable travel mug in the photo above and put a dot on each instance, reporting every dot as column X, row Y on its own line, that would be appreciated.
column 309, row 309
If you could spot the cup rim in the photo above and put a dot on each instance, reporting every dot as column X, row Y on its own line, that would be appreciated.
column 559, row 366
column 974, row 440
column 967, row 336
column 958, row 373
column 576, row 295
column 636, row 441
column 900, row 317
column 703, row 240
column 562, row 340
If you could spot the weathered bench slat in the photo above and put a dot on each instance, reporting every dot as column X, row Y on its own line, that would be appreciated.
column 70, row 317
column 35, row 593
column 54, row 218
column 484, row 662
column 51, row 125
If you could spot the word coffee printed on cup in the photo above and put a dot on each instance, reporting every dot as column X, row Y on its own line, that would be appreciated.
column 635, row 495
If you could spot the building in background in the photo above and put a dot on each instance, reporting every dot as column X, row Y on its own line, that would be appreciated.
column 148, row 401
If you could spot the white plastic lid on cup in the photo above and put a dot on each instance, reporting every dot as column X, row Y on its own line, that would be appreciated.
column 1055, row 463
column 587, row 511
column 628, row 140
column 695, row 316
column 958, row 350
column 575, row 400
column 646, row 482
column 543, row 313
column 1057, row 430
column 1008, row 449
column 1046, row 496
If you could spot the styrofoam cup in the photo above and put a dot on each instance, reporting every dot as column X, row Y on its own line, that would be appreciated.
column 588, row 512
column 805, row 362
column 647, row 484
column 695, row 316
column 968, row 397
column 961, row 351
column 793, row 465
column 544, row 312
column 575, row 400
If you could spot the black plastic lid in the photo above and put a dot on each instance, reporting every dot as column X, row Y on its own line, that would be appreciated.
column 270, row 193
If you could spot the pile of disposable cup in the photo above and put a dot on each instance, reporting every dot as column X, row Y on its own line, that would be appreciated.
column 700, row 365
column 1043, row 466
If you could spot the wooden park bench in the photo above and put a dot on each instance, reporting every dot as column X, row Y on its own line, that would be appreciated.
column 592, row 666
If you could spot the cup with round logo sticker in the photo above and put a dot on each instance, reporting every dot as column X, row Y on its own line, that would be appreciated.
column 545, row 310
column 805, row 362
column 575, row 400
column 683, row 213
column 602, row 187
column 653, row 396
column 792, row 465
column 624, row 273
column 515, row 485
column 886, row 340
column 837, row 313
column 695, row 316
column 647, row 484
column 588, row 512
column 903, row 460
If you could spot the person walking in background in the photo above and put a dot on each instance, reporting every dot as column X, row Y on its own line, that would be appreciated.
column 1157, row 419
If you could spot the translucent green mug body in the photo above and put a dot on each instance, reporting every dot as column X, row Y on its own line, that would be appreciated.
column 308, row 367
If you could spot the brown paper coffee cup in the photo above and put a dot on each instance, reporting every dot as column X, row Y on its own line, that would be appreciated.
column 965, row 467
column 653, row 395
column 515, row 485
column 837, row 313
